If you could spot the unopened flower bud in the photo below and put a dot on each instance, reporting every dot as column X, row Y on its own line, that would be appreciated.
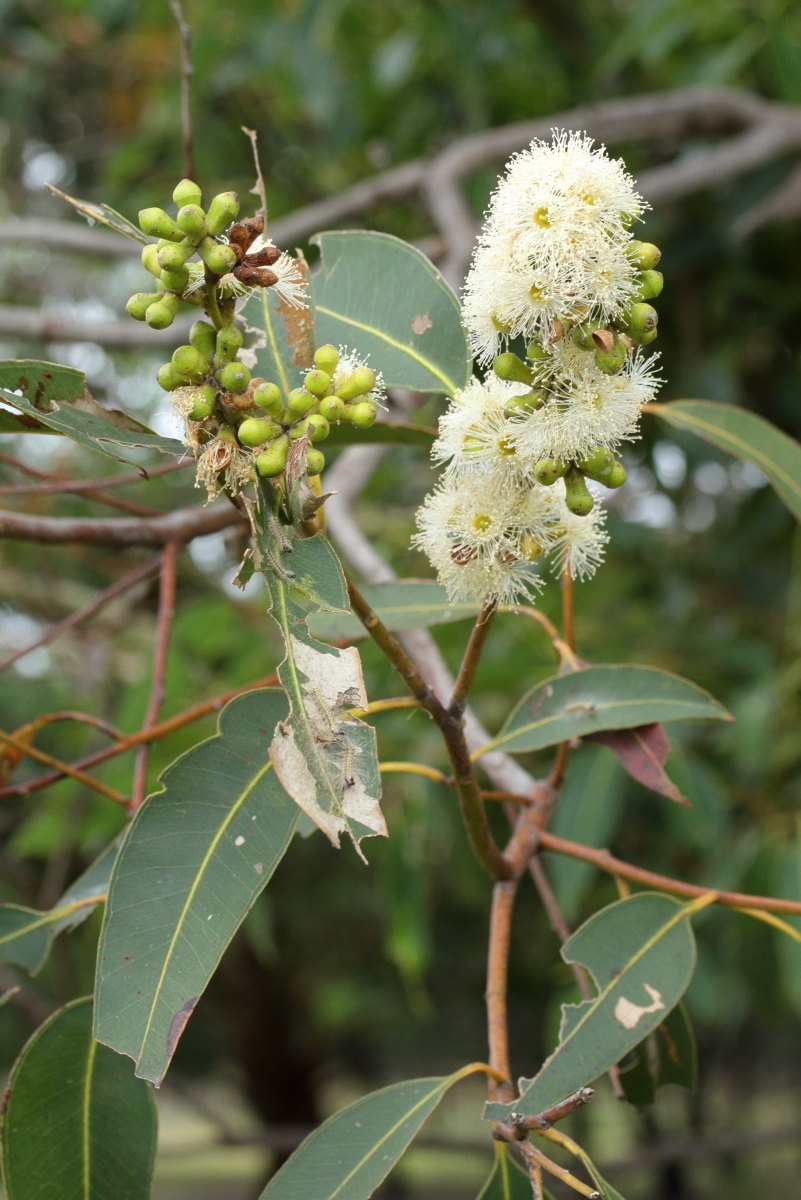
column 359, row 383
column 272, row 461
column 598, row 462
column 191, row 220
column 150, row 260
column 616, row 477
column 611, row 361
column 363, row 415
column 530, row 402
column 537, row 352
column 317, row 382
column 169, row 378
column 217, row 258
column 203, row 337
column 175, row 281
column 173, row 257
column 577, row 495
column 315, row 461
column 639, row 320
column 204, row 402
column 187, row 360
column 326, row 358
column 234, row 377
column 509, row 366
column 332, row 408
column 299, row 400
column 531, row 548
column 645, row 255
column 651, row 284
column 222, row 211
column 140, row 302
column 156, row 223
column 255, row 431
column 187, row 192
column 161, row 313
column 228, row 341
column 319, row 427
column 548, row 470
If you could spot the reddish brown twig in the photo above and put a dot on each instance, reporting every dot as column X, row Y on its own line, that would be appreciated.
column 169, row 561
column 472, row 657
column 179, row 526
column 82, row 614
column 56, row 483
column 83, row 486
column 62, row 768
column 522, row 1124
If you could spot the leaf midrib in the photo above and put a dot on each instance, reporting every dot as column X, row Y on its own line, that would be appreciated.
column 603, row 706
column 450, row 386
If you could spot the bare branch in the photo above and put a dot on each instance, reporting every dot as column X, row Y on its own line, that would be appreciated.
column 17, row 320
column 780, row 205
column 181, row 525
column 82, row 486
column 169, row 562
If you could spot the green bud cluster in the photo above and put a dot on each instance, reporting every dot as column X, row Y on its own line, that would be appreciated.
column 599, row 465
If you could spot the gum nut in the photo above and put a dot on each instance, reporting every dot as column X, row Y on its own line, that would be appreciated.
column 150, row 259
column 509, row 366
column 255, row 431
column 319, row 427
column 169, row 378
column 172, row 257
column 203, row 337
column 640, row 319
column 200, row 410
column 234, row 377
column 598, row 461
column 217, row 258
column 616, row 477
column 317, row 382
column 537, row 352
column 326, row 358
column 315, row 461
column 191, row 220
column 156, row 223
column 332, row 408
column 578, row 497
column 175, row 281
column 186, row 359
column 187, row 192
column 139, row 303
column 548, row 470
column 363, row 415
column 651, row 284
column 159, row 315
column 222, row 211
column 299, row 400
column 648, row 255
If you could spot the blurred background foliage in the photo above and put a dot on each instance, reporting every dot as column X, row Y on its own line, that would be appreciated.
column 345, row 977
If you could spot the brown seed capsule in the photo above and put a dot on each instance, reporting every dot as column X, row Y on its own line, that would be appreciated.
column 263, row 258
column 244, row 233
column 255, row 276
column 461, row 553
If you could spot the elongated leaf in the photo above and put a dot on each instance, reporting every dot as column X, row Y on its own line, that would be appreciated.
column 42, row 382
column 352, row 1152
column 92, row 885
column 744, row 435
column 78, row 1125
column 383, row 298
column 607, row 697
column 318, row 573
column 105, row 215
column 507, row 1179
column 407, row 604
column 400, row 433
column 642, row 751
column 195, row 858
column 641, row 954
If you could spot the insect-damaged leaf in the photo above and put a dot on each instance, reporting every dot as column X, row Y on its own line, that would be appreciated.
column 641, row 954
column 353, row 1151
column 668, row 1055
column 195, row 858
column 642, row 751
column 508, row 1180
column 78, row 1124
column 603, row 697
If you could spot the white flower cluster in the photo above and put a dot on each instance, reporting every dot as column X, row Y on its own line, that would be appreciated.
column 555, row 263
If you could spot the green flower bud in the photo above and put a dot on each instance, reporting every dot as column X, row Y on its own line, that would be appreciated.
column 530, row 402
column 228, row 342
column 298, row 429
column 150, row 260
column 509, row 366
column 319, row 427
column 317, row 382
column 222, row 211
column 169, row 378
column 598, row 462
column 639, row 320
column 359, row 383
column 651, row 284
column 161, row 313
column 187, row 192
column 537, row 352
column 315, row 461
column 172, row 258
column 268, row 396
column 234, row 377
column 582, row 337
column 326, row 359
column 272, row 461
column 577, row 495
column 530, row 547
column 204, row 402
column 255, row 431
column 175, row 281
column 645, row 255
column 363, row 415
column 299, row 400
column 203, row 337
column 217, row 258
column 616, row 477
column 332, row 408
column 157, row 223
column 191, row 220
column 611, row 361
column 548, row 470
column 187, row 360
column 647, row 338
column 140, row 302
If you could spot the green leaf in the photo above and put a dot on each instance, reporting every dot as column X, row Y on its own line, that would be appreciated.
column 400, row 433
column 407, row 604
column 106, row 216
column 507, row 1179
column 283, row 343
column 744, row 435
column 678, row 1056
column 352, row 1152
column 587, row 812
column 78, row 1125
column 195, row 858
column 42, row 382
column 384, row 299
column 604, row 697
column 93, row 884
column 318, row 573
column 641, row 954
